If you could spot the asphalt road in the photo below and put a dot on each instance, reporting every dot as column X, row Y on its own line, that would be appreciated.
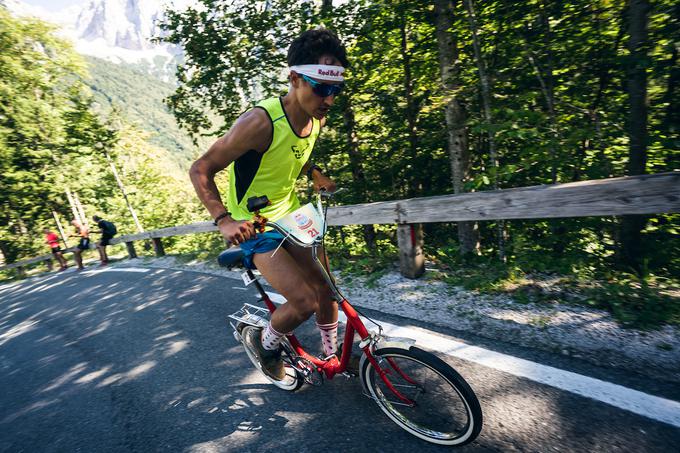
column 145, row 361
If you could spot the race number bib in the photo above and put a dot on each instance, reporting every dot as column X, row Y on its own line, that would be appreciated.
column 305, row 224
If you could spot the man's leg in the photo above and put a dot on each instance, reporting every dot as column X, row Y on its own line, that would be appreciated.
column 327, row 312
column 78, row 254
column 282, row 272
column 285, row 275
column 62, row 260
column 100, row 249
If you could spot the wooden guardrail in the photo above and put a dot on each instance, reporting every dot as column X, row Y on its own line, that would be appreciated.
column 644, row 194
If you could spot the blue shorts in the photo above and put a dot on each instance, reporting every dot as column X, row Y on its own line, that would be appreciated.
column 261, row 243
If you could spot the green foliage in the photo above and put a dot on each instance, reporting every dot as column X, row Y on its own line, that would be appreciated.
column 37, row 91
column 139, row 98
column 232, row 51
column 558, row 81
column 637, row 301
column 53, row 140
column 558, row 76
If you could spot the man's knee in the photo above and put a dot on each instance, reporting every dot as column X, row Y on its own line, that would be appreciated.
column 305, row 304
column 323, row 292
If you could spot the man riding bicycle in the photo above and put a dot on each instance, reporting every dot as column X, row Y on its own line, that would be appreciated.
column 266, row 150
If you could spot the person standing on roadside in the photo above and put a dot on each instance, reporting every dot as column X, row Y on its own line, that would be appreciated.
column 83, row 233
column 108, row 231
column 52, row 240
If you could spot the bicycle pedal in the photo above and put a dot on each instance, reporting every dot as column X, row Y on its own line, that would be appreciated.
column 308, row 370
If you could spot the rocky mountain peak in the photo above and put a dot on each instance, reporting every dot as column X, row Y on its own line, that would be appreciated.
column 115, row 30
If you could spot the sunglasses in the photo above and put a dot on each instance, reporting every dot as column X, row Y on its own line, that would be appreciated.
column 323, row 89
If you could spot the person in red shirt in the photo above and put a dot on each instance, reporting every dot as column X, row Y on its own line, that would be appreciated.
column 53, row 241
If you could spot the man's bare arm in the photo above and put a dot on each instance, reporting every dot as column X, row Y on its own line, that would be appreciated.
column 252, row 131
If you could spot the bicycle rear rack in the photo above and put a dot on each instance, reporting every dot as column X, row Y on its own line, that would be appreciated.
column 250, row 315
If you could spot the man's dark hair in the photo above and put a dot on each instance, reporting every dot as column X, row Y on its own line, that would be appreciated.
column 96, row 218
column 313, row 44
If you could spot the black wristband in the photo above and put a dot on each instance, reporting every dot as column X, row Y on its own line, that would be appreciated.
column 311, row 169
column 220, row 217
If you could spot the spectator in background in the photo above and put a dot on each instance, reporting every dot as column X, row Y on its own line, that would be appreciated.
column 108, row 231
column 52, row 240
column 84, row 234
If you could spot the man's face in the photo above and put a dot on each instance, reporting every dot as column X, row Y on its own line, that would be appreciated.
column 313, row 104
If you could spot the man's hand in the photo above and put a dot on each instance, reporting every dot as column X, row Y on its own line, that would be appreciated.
column 237, row 231
column 323, row 182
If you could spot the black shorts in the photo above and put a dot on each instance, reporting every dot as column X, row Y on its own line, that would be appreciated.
column 106, row 238
column 55, row 250
column 84, row 243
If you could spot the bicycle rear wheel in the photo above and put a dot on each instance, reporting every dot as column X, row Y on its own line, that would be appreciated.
column 290, row 383
column 445, row 410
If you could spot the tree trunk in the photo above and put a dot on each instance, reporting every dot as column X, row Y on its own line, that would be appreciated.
column 548, row 94
column 631, row 226
column 605, row 75
column 73, row 205
column 122, row 190
column 671, row 120
column 81, row 210
column 547, row 83
column 9, row 253
column 352, row 142
column 411, row 110
column 416, row 186
column 60, row 228
column 326, row 11
column 488, row 117
column 468, row 236
column 356, row 164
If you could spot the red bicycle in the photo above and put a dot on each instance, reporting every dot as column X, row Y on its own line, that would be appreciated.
column 420, row 392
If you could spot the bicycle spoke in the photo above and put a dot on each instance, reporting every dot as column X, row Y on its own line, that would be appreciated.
column 438, row 412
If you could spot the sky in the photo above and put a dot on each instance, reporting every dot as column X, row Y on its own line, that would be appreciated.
column 53, row 5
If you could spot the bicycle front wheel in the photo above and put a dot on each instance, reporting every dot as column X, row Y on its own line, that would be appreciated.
column 443, row 409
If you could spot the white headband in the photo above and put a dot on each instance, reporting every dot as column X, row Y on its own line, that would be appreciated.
column 321, row 71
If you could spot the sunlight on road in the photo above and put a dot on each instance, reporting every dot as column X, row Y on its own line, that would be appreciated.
column 19, row 329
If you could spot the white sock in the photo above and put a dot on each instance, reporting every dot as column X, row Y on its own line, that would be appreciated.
column 329, row 337
column 271, row 338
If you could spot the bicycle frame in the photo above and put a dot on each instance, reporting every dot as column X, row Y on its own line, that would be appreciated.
column 331, row 366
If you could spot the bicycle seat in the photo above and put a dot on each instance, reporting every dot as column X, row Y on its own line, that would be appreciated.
column 230, row 257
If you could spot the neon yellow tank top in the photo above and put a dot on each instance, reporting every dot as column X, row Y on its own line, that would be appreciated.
column 274, row 172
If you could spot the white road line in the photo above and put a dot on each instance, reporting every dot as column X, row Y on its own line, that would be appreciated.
column 116, row 269
column 650, row 406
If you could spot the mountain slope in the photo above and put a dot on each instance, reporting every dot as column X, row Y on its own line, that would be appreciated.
column 140, row 99
column 115, row 30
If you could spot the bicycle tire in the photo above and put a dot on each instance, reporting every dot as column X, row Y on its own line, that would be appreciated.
column 452, row 396
column 290, row 383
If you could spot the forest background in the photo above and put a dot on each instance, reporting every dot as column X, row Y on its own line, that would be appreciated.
column 442, row 97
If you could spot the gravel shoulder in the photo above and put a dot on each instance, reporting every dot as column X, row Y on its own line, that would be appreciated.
column 580, row 332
